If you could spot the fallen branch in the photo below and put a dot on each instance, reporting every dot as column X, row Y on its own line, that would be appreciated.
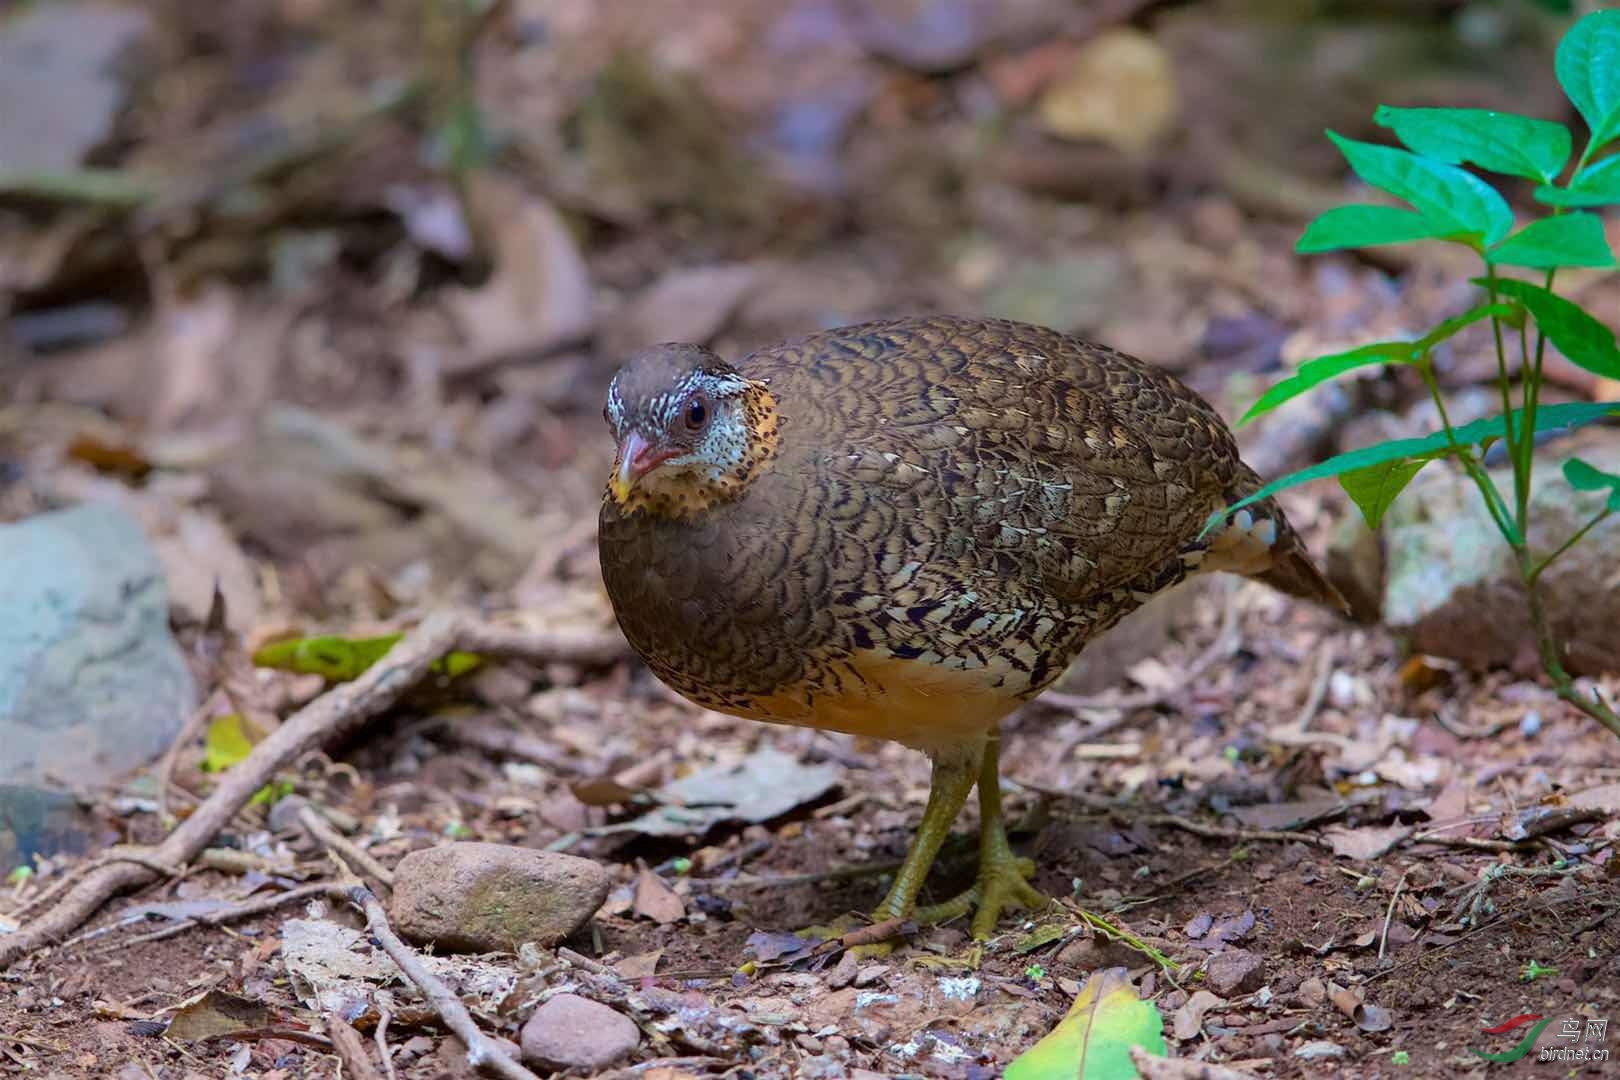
column 351, row 1049
column 353, row 854
column 482, row 1051
column 1220, row 832
column 329, row 717
column 1152, row 1067
column 247, row 909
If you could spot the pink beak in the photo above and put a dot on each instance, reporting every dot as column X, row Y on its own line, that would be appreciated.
column 637, row 457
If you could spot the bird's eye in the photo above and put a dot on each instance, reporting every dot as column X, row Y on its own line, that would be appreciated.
column 697, row 414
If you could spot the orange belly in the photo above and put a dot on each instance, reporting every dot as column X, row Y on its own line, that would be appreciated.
column 920, row 704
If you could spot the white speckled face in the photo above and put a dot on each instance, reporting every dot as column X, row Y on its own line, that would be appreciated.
column 679, row 422
column 704, row 417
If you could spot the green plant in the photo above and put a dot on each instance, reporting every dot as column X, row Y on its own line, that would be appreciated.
column 1448, row 203
column 1533, row 971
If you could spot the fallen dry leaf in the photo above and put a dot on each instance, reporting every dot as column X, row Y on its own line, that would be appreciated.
column 216, row 1013
column 539, row 294
column 640, row 966
column 691, row 303
column 1188, row 1020
column 1290, row 815
column 1365, row 844
column 656, row 900
column 762, row 786
column 332, row 967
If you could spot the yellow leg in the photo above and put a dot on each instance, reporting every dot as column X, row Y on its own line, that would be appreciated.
column 948, row 789
column 1003, row 878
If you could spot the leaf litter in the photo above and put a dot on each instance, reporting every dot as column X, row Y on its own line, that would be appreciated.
column 346, row 426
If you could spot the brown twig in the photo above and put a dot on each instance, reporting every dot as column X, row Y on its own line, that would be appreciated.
column 1473, row 843
column 1389, row 914
column 482, row 1051
column 247, row 909
column 1319, row 686
column 585, row 963
column 875, row 934
column 330, row 716
column 351, row 1049
column 384, row 1017
column 1220, row 832
column 353, row 854
column 193, row 727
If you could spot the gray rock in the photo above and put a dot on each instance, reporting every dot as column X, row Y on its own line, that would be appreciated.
column 1234, row 971
column 92, row 683
column 1451, row 583
column 477, row 897
column 35, row 822
column 569, row 1032
column 64, row 53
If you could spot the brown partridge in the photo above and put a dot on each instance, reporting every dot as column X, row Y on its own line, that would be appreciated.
column 907, row 529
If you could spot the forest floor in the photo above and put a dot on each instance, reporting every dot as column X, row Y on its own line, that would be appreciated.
column 1350, row 861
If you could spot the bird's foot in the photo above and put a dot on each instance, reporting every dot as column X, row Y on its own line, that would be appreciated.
column 1003, row 882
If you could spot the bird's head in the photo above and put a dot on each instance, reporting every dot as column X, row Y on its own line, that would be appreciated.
column 691, row 430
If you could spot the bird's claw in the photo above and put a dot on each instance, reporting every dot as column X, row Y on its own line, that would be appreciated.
column 1003, row 882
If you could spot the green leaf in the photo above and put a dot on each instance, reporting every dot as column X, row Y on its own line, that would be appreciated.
column 340, row 659
column 1093, row 1041
column 1497, row 141
column 1597, row 184
column 1573, row 239
column 1320, row 370
column 1362, row 226
column 1588, row 66
column 1314, row 372
column 1584, row 476
column 225, row 744
column 1512, row 314
column 1455, row 200
column 1581, row 338
column 1375, row 488
column 1480, row 432
column 1039, row 937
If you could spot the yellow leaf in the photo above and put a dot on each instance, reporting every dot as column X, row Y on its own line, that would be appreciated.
column 225, row 744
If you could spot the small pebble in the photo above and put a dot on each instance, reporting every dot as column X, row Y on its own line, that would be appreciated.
column 1530, row 726
column 1235, row 971
column 1321, row 1049
column 572, row 1032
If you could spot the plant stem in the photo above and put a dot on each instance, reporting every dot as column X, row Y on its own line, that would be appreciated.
column 1563, row 685
column 1536, row 570
column 1525, row 464
column 1520, row 491
column 1482, row 479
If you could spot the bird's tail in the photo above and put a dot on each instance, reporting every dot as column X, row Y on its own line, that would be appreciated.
column 1258, row 542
